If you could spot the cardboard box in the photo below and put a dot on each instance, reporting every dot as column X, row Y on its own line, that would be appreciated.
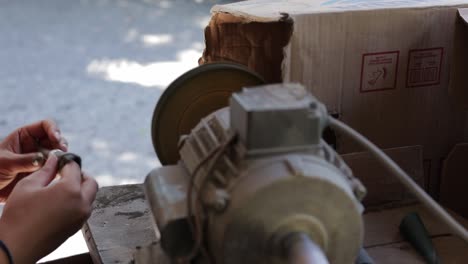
column 384, row 190
column 382, row 66
column 454, row 178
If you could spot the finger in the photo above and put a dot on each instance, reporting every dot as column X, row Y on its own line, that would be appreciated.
column 63, row 144
column 24, row 163
column 71, row 173
column 47, row 173
column 89, row 188
column 5, row 191
column 47, row 144
column 45, row 129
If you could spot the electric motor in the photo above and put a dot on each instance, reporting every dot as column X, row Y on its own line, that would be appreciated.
column 253, row 179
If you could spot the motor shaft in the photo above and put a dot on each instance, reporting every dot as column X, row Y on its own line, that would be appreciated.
column 300, row 249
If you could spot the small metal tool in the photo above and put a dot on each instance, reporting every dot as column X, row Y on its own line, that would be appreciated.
column 63, row 157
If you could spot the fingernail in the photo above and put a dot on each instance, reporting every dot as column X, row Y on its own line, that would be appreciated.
column 38, row 160
column 57, row 135
column 63, row 142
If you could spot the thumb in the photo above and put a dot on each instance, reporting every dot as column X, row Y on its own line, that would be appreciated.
column 47, row 173
column 28, row 162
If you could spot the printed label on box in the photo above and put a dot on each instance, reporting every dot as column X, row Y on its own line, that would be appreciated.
column 424, row 67
column 379, row 71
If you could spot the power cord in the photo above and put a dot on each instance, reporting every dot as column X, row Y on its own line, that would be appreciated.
column 402, row 176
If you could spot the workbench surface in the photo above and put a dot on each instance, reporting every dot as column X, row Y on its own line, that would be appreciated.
column 121, row 221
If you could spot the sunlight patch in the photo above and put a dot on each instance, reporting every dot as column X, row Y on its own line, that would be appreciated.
column 98, row 144
column 150, row 40
column 105, row 180
column 147, row 75
column 127, row 157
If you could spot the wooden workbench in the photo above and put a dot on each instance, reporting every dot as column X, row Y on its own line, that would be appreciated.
column 121, row 222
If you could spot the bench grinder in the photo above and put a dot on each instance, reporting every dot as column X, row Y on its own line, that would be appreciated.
column 253, row 182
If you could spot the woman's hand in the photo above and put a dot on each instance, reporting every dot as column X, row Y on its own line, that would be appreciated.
column 38, row 217
column 19, row 152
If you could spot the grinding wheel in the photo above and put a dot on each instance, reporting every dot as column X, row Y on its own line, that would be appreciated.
column 191, row 97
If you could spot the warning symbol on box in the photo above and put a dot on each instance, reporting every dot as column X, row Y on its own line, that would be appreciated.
column 424, row 67
column 379, row 71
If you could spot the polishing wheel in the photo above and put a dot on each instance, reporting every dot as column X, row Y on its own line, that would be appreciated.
column 191, row 97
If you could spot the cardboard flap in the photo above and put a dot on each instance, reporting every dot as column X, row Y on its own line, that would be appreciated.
column 458, row 88
column 382, row 187
column 453, row 192
column 463, row 14
column 272, row 10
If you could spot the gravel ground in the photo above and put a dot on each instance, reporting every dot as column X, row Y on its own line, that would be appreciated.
column 97, row 67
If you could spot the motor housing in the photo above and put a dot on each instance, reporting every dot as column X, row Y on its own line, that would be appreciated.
column 253, row 174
